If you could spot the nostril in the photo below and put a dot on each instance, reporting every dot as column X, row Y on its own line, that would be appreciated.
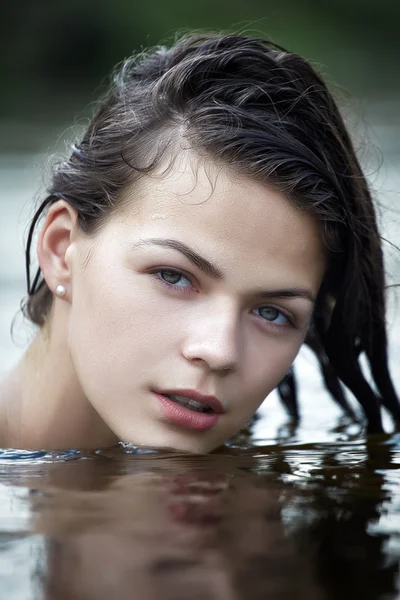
column 224, row 361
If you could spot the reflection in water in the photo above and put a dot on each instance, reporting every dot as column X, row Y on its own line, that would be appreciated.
column 280, row 522
column 174, row 527
column 330, row 521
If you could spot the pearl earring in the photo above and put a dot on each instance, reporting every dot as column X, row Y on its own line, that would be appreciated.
column 61, row 290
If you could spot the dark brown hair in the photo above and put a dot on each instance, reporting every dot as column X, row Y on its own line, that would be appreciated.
column 267, row 114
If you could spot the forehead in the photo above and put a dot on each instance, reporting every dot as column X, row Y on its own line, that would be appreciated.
column 226, row 217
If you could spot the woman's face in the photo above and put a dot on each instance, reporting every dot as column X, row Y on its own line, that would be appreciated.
column 190, row 304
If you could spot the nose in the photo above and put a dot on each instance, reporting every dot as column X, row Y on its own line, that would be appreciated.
column 215, row 339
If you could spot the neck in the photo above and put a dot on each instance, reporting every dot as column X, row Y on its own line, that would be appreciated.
column 42, row 405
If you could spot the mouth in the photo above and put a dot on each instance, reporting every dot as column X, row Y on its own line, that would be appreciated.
column 190, row 403
column 193, row 400
column 190, row 409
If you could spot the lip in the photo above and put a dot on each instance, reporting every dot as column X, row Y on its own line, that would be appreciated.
column 210, row 401
column 184, row 417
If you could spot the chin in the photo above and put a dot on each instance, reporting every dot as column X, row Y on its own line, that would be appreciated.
column 173, row 445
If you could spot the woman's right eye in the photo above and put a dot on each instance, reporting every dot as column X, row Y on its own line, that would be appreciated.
column 173, row 278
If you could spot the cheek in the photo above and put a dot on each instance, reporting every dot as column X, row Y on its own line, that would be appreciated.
column 263, row 369
column 114, row 328
column 267, row 365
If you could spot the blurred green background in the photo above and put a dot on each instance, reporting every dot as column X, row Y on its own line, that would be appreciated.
column 55, row 55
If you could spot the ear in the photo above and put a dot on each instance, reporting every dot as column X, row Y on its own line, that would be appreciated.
column 55, row 240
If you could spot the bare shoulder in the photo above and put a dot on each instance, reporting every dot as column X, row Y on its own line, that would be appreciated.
column 10, row 394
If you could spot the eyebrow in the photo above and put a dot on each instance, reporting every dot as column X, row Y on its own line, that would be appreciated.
column 202, row 263
column 291, row 293
column 212, row 271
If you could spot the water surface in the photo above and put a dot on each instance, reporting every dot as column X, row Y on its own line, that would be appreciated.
column 282, row 521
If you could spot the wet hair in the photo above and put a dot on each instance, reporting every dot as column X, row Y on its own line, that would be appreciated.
column 265, row 113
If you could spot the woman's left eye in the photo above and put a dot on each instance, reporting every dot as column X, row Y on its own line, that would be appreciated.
column 175, row 278
column 273, row 315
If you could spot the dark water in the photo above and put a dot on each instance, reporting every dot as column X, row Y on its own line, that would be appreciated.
column 289, row 521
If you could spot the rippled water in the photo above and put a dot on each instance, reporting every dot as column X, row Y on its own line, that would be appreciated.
column 282, row 521
column 291, row 511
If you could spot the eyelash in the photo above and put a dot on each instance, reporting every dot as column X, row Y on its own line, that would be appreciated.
column 173, row 286
column 184, row 290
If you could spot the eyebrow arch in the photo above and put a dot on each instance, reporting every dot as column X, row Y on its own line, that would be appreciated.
column 290, row 293
column 211, row 270
column 202, row 263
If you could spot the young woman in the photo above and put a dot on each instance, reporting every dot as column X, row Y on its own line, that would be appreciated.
column 212, row 216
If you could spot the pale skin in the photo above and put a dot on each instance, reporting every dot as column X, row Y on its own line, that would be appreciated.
column 187, row 285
